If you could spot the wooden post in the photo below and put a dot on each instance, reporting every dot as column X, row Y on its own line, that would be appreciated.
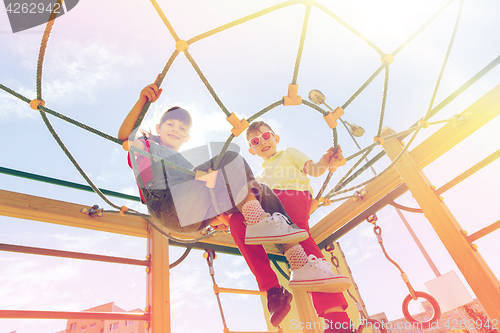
column 158, row 300
column 307, row 315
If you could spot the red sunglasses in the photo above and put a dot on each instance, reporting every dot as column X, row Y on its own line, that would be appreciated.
column 255, row 141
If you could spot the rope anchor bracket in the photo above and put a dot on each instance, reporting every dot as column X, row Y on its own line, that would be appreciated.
column 359, row 195
column 458, row 120
column 93, row 211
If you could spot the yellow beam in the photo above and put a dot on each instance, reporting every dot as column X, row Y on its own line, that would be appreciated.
column 309, row 321
column 238, row 291
column 481, row 279
column 84, row 315
column 484, row 109
column 35, row 208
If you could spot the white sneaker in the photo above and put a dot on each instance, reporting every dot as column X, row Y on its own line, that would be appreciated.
column 273, row 230
column 317, row 275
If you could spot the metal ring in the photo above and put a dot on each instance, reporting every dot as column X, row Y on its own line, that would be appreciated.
column 435, row 308
column 377, row 230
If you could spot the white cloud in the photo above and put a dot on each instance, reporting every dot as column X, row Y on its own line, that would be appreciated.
column 81, row 71
column 12, row 107
column 130, row 190
column 34, row 282
column 81, row 243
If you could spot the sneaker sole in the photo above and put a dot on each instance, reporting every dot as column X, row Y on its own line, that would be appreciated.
column 295, row 237
column 336, row 285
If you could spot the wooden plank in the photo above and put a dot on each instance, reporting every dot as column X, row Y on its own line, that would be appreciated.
column 35, row 208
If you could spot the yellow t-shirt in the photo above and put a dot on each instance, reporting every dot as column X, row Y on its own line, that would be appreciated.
column 285, row 171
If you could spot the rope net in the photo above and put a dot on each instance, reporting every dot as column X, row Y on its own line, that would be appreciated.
column 182, row 47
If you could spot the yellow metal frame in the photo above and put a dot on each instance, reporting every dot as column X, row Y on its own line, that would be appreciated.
column 483, row 282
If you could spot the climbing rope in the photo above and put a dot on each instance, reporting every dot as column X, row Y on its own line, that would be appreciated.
column 43, row 47
column 422, row 28
column 301, row 44
column 445, row 61
column 384, row 98
column 182, row 47
column 403, row 151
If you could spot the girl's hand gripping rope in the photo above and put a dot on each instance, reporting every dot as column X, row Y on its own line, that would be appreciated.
column 151, row 92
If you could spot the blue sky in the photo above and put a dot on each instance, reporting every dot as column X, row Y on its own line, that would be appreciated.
column 99, row 57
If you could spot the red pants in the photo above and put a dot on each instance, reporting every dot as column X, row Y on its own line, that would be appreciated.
column 297, row 205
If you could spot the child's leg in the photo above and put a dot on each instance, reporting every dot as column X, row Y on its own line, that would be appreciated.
column 298, row 205
column 255, row 255
column 278, row 298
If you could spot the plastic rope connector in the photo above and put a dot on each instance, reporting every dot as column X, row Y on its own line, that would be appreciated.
column 325, row 201
column 210, row 177
column 378, row 139
column 35, row 104
column 238, row 125
column 220, row 222
column 181, row 45
column 423, row 123
column 332, row 117
column 387, row 58
column 315, row 203
column 123, row 209
column 314, row 206
column 126, row 145
column 216, row 289
column 292, row 98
